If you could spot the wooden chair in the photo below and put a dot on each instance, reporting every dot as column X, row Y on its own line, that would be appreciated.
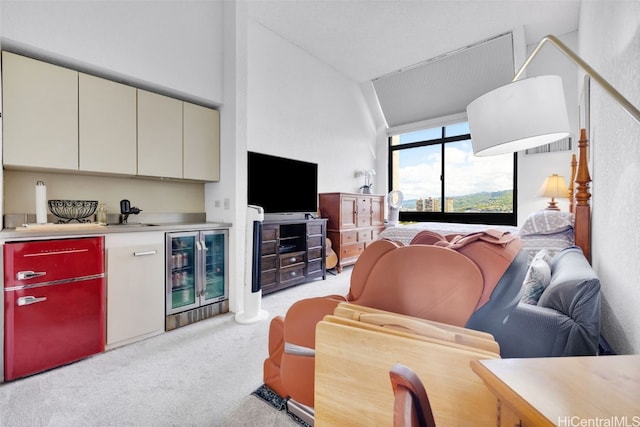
column 411, row 404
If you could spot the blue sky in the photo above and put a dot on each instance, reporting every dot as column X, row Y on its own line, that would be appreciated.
column 466, row 173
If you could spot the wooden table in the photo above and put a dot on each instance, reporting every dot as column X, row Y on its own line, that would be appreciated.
column 564, row 391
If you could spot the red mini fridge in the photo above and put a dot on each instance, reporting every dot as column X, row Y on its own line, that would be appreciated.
column 54, row 303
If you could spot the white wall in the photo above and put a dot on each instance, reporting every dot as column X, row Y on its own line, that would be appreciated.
column 298, row 107
column 171, row 46
column 610, row 43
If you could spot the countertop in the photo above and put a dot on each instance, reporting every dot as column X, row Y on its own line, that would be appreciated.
column 92, row 229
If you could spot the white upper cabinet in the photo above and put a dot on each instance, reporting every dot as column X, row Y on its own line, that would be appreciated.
column 55, row 118
column 40, row 114
column 201, row 148
column 159, row 135
column 107, row 126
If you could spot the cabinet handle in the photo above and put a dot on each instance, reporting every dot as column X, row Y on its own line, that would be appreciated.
column 204, row 245
column 145, row 253
column 26, row 275
column 198, row 245
column 28, row 300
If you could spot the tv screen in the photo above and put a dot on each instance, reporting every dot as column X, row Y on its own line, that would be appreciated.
column 281, row 185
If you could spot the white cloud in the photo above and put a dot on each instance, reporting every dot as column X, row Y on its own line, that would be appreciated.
column 466, row 174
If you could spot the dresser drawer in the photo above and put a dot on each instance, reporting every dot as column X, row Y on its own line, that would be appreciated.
column 292, row 273
column 364, row 221
column 291, row 259
column 365, row 235
column 351, row 251
column 314, row 241
column 364, row 206
column 375, row 233
column 348, row 237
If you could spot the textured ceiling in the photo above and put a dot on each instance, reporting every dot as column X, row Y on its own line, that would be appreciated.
column 365, row 39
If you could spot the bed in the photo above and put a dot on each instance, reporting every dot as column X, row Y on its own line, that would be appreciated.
column 544, row 229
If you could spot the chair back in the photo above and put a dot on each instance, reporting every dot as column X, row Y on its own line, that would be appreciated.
column 411, row 402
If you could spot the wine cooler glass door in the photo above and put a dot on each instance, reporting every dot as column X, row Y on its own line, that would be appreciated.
column 182, row 291
column 215, row 266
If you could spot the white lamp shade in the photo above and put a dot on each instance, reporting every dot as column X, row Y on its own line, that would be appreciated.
column 553, row 186
column 524, row 114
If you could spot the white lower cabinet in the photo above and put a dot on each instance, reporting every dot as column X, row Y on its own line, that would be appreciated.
column 135, row 286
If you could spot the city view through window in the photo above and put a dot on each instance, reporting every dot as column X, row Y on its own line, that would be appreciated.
column 437, row 172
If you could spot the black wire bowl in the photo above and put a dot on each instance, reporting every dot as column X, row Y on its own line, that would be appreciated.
column 73, row 210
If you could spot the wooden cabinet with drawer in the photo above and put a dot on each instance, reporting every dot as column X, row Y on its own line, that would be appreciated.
column 292, row 252
column 354, row 221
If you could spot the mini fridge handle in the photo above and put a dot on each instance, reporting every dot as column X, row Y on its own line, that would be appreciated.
column 28, row 300
column 26, row 275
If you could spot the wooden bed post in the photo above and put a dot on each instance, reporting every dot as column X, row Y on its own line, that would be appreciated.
column 572, row 198
column 583, row 209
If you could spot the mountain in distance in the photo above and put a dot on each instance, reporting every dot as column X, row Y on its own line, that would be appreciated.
column 485, row 201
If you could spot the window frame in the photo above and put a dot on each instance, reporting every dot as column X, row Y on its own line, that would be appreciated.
column 453, row 217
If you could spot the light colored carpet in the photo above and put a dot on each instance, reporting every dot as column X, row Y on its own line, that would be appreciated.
column 199, row 375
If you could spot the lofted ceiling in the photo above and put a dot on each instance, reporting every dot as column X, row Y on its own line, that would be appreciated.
column 366, row 39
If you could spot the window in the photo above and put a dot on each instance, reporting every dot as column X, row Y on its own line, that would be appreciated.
column 442, row 180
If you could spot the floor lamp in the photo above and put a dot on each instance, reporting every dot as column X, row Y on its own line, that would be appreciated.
column 531, row 112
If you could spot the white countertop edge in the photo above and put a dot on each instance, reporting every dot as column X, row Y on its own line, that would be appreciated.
column 12, row 234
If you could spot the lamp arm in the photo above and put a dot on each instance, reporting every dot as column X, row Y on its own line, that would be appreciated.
column 617, row 96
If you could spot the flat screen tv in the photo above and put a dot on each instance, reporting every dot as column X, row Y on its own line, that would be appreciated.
column 281, row 185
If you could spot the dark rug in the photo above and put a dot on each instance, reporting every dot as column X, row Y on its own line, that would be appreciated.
column 277, row 402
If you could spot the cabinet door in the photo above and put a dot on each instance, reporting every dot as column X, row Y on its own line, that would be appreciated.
column 107, row 126
column 201, row 141
column 184, row 251
column 214, row 285
column 159, row 135
column 135, row 286
column 316, row 249
column 348, row 211
column 40, row 114
column 377, row 210
column 269, row 257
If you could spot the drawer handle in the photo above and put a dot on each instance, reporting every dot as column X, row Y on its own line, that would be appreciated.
column 293, row 259
column 293, row 274
column 145, row 253
column 26, row 275
column 29, row 300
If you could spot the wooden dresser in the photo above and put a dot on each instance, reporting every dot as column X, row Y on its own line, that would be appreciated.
column 354, row 220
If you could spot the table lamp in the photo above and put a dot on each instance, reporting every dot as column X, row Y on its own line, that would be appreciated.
column 553, row 186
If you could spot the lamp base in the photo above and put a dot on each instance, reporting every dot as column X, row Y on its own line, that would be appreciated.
column 553, row 206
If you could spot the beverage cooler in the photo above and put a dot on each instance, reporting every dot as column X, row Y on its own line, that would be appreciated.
column 197, row 277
